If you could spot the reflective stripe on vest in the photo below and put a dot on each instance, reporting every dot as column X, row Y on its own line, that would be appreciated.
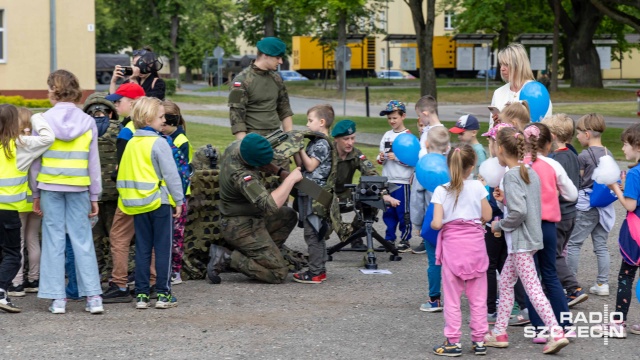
column 13, row 182
column 138, row 183
column 181, row 139
column 67, row 162
column 28, row 207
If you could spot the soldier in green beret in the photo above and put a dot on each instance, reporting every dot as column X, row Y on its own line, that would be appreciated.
column 351, row 159
column 255, row 223
column 258, row 100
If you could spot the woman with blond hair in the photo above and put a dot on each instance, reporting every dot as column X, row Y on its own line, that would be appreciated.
column 515, row 70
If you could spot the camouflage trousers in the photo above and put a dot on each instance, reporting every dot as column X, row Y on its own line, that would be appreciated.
column 256, row 243
column 101, row 237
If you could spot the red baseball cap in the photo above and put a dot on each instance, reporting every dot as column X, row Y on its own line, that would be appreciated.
column 130, row 90
column 466, row 122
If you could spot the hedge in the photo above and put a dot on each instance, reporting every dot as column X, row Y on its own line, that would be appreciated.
column 170, row 86
column 29, row 103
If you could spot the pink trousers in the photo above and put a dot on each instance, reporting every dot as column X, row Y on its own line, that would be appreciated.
column 476, row 291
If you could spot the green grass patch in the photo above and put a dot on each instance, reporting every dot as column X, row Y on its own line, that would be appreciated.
column 207, row 113
column 200, row 100
column 619, row 109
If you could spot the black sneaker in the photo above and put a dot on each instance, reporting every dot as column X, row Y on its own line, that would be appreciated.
column 420, row 249
column 479, row 348
column 448, row 349
column 7, row 305
column 114, row 295
column 131, row 278
column 32, row 286
column 16, row 290
column 219, row 260
column 404, row 246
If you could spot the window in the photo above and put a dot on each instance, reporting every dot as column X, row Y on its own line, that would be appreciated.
column 2, row 37
column 449, row 18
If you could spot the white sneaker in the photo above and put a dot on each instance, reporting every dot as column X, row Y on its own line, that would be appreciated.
column 94, row 304
column 176, row 278
column 600, row 289
column 58, row 306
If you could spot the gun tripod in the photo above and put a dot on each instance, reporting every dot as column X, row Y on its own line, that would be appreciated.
column 370, row 257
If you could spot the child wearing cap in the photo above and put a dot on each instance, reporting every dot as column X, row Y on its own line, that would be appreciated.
column 467, row 129
column 397, row 173
column 315, row 162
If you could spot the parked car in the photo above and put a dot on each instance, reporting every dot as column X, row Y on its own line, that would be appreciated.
column 492, row 74
column 290, row 75
column 394, row 74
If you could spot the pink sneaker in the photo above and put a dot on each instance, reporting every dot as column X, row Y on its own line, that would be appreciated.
column 496, row 340
column 635, row 329
column 555, row 344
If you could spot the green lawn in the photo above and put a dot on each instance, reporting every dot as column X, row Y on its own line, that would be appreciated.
column 208, row 113
column 200, row 100
column 619, row 109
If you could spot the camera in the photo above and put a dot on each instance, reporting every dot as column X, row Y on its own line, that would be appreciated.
column 126, row 70
column 368, row 193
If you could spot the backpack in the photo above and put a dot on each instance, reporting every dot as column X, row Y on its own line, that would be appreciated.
column 108, row 159
column 184, row 169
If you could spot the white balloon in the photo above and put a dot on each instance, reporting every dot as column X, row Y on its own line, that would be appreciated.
column 607, row 172
column 492, row 172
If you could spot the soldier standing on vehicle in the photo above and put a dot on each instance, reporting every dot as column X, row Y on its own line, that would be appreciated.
column 258, row 100
column 255, row 223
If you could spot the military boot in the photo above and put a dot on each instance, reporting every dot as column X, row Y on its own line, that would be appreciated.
column 219, row 261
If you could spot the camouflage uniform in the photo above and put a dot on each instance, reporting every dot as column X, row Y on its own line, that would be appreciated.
column 109, row 200
column 252, row 223
column 258, row 101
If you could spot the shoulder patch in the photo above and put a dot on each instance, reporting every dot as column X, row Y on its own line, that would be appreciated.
column 247, row 178
column 362, row 157
column 237, row 84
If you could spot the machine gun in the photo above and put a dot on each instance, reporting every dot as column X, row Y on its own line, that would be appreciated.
column 367, row 199
column 212, row 155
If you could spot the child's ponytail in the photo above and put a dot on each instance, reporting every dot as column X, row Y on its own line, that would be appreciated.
column 459, row 161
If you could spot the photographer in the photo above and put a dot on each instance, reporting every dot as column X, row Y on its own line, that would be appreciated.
column 143, row 71
column 351, row 159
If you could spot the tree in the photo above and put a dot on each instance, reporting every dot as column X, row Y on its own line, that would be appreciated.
column 626, row 12
column 424, row 39
column 580, row 23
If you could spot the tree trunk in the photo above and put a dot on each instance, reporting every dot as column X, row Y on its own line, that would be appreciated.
column 269, row 22
column 566, row 75
column 188, row 76
column 503, row 36
column 174, row 63
column 555, row 47
column 424, row 39
column 342, row 41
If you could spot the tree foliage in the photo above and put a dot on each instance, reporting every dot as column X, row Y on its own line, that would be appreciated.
column 424, row 39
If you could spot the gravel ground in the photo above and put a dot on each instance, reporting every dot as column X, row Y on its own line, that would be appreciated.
column 350, row 316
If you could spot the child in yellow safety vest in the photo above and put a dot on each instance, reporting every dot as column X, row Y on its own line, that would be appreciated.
column 31, row 223
column 149, row 185
column 69, row 184
column 17, row 152
column 175, row 127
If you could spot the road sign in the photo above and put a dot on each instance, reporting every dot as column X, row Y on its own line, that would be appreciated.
column 218, row 52
column 342, row 57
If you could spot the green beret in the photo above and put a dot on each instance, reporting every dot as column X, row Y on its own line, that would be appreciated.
column 344, row 128
column 256, row 150
column 272, row 46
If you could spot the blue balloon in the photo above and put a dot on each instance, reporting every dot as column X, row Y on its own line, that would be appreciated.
column 432, row 171
column 537, row 96
column 427, row 233
column 406, row 147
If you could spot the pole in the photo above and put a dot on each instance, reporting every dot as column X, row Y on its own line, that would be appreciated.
column 366, row 98
column 362, row 61
column 53, row 62
column 486, row 73
column 344, row 81
column 219, row 74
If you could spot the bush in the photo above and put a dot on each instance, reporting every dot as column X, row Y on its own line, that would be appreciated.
column 29, row 103
column 170, row 86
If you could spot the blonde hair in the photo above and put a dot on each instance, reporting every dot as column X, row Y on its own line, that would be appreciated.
column 144, row 110
column 516, row 114
column 562, row 126
column 592, row 122
column 24, row 119
column 459, row 160
column 65, row 86
column 438, row 139
column 514, row 56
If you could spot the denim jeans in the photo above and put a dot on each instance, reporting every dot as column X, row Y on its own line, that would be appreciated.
column 434, row 272
column 154, row 231
column 70, row 268
column 67, row 213
column 546, row 263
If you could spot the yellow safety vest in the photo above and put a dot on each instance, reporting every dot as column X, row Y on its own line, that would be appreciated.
column 179, row 141
column 28, row 207
column 67, row 162
column 13, row 182
column 138, row 183
column 130, row 126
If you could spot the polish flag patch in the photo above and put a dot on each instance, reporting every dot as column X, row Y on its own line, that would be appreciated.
column 237, row 84
column 362, row 157
column 247, row 178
